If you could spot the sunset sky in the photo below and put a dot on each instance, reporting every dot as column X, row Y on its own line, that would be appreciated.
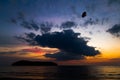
column 55, row 30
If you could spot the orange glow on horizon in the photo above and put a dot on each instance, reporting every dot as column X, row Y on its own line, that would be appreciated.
column 106, row 57
column 112, row 53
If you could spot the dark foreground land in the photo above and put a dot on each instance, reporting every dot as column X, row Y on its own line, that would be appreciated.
column 33, row 63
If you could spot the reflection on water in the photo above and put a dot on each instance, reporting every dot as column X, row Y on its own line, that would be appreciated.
column 61, row 73
column 107, row 72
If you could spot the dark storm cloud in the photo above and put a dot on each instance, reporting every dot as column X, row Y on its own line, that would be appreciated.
column 115, row 30
column 68, row 24
column 71, row 47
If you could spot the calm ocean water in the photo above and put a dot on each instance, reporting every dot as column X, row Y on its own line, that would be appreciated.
column 60, row 73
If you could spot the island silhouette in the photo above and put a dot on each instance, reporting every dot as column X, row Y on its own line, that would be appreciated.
column 33, row 63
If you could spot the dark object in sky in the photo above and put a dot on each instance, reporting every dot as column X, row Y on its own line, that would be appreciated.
column 33, row 63
column 84, row 14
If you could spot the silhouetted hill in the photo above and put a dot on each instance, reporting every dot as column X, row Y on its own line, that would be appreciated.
column 33, row 63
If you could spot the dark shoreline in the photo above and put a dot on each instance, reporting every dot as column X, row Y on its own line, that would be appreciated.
column 33, row 63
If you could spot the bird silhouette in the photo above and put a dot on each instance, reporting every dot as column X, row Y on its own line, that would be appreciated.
column 84, row 14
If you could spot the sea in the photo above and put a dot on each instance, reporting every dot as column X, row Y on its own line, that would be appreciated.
column 60, row 73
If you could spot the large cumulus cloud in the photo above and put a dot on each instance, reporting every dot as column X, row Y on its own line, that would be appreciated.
column 70, row 45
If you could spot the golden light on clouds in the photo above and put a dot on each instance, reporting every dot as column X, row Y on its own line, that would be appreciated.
column 35, row 52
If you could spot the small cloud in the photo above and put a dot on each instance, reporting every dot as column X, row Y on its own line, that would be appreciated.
column 115, row 30
column 68, row 24
column 34, row 25
column 28, row 37
column 26, row 25
column 45, row 27
column 30, row 25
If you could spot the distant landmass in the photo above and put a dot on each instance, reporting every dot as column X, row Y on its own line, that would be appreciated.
column 33, row 63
